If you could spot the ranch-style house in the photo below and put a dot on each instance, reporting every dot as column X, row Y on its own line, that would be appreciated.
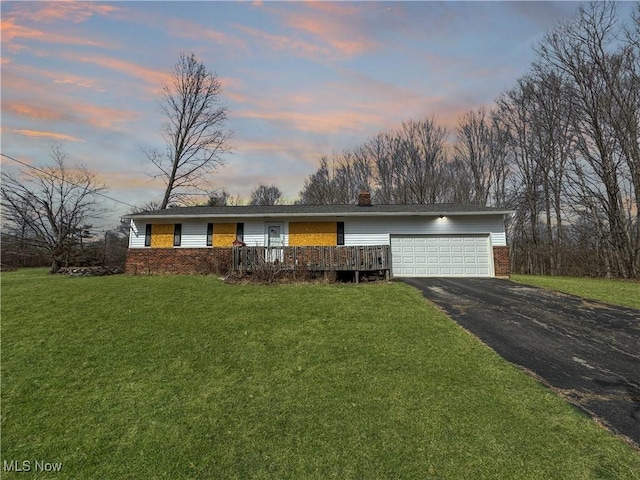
column 437, row 240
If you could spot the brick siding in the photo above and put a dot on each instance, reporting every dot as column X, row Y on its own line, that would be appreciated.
column 501, row 262
column 153, row 261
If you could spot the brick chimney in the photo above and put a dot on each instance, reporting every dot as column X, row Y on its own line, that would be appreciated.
column 364, row 199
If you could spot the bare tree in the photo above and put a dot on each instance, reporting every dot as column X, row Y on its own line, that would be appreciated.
column 219, row 198
column 403, row 166
column 422, row 153
column 537, row 116
column 51, row 205
column 515, row 116
column 265, row 195
column 380, row 150
column 602, row 71
column 318, row 187
column 476, row 154
column 194, row 131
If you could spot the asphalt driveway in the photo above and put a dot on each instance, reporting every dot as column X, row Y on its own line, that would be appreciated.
column 589, row 352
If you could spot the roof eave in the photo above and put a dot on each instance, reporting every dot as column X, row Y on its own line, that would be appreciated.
column 321, row 214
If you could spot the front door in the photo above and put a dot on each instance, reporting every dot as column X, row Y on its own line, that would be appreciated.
column 275, row 241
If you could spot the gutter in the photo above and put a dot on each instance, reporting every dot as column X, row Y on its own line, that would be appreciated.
column 332, row 214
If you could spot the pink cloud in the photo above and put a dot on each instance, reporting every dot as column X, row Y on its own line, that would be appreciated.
column 76, row 12
column 103, row 117
column 186, row 29
column 75, row 81
column 284, row 43
column 125, row 181
column 332, row 122
column 76, row 112
column 342, row 36
column 12, row 31
column 331, row 30
column 154, row 79
column 276, row 148
column 38, row 112
column 335, row 8
column 16, row 78
column 50, row 135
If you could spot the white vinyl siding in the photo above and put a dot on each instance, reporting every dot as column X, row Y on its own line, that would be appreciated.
column 441, row 256
column 357, row 231
column 377, row 230
column 136, row 234
column 254, row 233
column 194, row 235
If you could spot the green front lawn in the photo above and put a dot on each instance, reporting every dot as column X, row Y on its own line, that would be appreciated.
column 625, row 293
column 187, row 377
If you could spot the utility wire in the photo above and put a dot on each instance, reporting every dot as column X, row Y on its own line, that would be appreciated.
column 58, row 178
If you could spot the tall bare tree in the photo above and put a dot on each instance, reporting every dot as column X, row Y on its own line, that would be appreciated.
column 418, row 161
column 474, row 153
column 219, row 198
column 338, row 179
column 194, row 131
column 515, row 113
column 266, row 195
column 317, row 189
column 537, row 116
column 51, row 205
column 602, row 70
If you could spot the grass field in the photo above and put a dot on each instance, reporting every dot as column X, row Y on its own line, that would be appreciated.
column 188, row 377
column 625, row 293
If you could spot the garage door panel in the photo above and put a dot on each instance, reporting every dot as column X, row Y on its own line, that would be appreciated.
column 440, row 255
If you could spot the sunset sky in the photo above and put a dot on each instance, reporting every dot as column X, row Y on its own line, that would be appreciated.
column 300, row 79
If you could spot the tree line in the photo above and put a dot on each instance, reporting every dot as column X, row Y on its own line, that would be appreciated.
column 561, row 148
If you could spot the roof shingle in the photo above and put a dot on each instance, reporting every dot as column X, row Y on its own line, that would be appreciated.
column 320, row 210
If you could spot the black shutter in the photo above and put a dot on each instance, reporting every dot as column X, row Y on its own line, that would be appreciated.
column 209, row 234
column 240, row 231
column 147, row 235
column 177, row 234
column 340, row 239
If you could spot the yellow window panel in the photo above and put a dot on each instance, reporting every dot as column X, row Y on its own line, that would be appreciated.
column 224, row 234
column 313, row 234
column 162, row 235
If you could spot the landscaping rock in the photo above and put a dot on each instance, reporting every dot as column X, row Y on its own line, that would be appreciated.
column 89, row 271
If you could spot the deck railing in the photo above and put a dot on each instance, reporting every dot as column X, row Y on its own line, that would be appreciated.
column 339, row 258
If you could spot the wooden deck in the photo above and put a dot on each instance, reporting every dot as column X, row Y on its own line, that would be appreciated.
column 339, row 259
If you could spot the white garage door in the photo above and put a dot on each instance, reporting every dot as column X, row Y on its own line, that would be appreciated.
column 440, row 255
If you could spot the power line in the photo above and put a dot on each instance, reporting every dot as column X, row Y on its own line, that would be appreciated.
column 58, row 178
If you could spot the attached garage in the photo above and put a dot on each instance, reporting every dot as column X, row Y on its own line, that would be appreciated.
column 441, row 256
